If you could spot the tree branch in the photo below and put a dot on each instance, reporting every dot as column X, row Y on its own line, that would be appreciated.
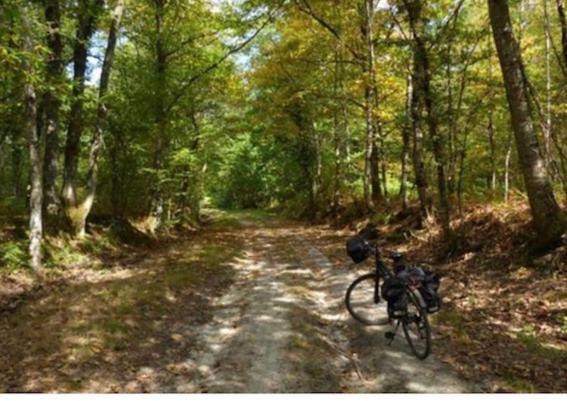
column 305, row 7
column 191, row 80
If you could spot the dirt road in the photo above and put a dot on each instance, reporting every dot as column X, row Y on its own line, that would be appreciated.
column 251, row 304
column 282, row 327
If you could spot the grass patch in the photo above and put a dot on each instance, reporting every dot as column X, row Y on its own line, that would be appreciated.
column 231, row 219
column 456, row 322
column 519, row 385
column 528, row 337
column 381, row 218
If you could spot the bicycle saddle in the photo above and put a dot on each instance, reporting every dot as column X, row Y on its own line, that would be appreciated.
column 396, row 256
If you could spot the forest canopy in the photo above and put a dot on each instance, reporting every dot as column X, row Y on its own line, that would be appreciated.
column 152, row 109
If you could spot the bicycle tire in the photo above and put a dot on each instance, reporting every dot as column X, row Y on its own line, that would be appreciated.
column 422, row 325
column 360, row 301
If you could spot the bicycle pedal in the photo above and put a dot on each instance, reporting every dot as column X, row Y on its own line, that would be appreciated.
column 390, row 335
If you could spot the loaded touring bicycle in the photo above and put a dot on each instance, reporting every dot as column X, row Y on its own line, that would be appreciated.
column 403, row 296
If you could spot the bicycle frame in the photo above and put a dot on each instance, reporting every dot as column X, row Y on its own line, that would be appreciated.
column 381, row 271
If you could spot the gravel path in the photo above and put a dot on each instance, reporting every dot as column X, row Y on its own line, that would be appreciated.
column 282, row 327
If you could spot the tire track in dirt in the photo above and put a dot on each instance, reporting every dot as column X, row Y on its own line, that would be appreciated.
column 241, row 349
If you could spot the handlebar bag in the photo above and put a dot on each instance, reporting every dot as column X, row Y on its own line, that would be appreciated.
column 358, row 249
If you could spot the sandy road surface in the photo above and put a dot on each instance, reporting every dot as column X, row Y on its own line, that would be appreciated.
column 282, row 327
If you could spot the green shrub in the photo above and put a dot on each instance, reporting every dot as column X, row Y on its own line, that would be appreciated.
column 13, row 256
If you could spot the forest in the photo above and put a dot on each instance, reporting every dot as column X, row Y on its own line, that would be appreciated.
column 152, row 151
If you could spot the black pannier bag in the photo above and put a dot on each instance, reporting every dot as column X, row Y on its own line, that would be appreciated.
column 428, row 285
column 394, row 292
column 429, row 291
column 410, row 273
column 358, row 249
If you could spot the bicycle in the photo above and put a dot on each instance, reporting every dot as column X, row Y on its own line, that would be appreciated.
column 372, row 310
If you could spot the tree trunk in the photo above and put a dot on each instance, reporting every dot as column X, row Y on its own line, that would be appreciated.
column 369, row 146
column 371, row 178
column 491, row 134
column 423, row 89
column 338, row 132
column 381, row 194
column 88, row 11
column 188, row 199
column 563, row 25
column 30, row 127
column 376, row 192
column 507, row 170
column 17, row 150
column 348, row 156
column 548, row 219
column 161, row 140
column 417, row 155
column 336, row 135
column 116, row 175
column 406, row 135
column 492, row 145
column 97, row 140
column 547, row 127
column 52, row 104
column 452, row 157
column 317, row 176
column 460, row 178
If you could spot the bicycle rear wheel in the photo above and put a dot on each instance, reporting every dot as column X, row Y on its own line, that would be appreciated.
column 364, row 303
column 416, row 327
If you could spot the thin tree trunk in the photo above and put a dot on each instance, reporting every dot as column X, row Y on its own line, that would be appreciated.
column 16, row 164
column 375, row 172
column 338, row 163
column 30, row 127
column 406, row 135
column 336, row 132
column 463, row 156
column 563, row 25
column 547, row 123
column 417, row 155
column 116, row 174
column 548, row 219
column 507, row 170
column 438, row 147
column 185, row 199
column 88, row 11
column 318, row 165
column 97, row 140
column 491, row 136
column 423, row 89
column 52, row 104
column 382, row 193
column 161, row 140
column 492, row 145
column 452, row 168
column 367, row 177
column 348, row 157
column 371, row 180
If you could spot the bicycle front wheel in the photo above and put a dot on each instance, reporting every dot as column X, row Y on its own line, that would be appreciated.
column 416, row 327
column 363, row 301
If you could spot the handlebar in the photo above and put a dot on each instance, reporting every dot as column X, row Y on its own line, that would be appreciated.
column 395, row 255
